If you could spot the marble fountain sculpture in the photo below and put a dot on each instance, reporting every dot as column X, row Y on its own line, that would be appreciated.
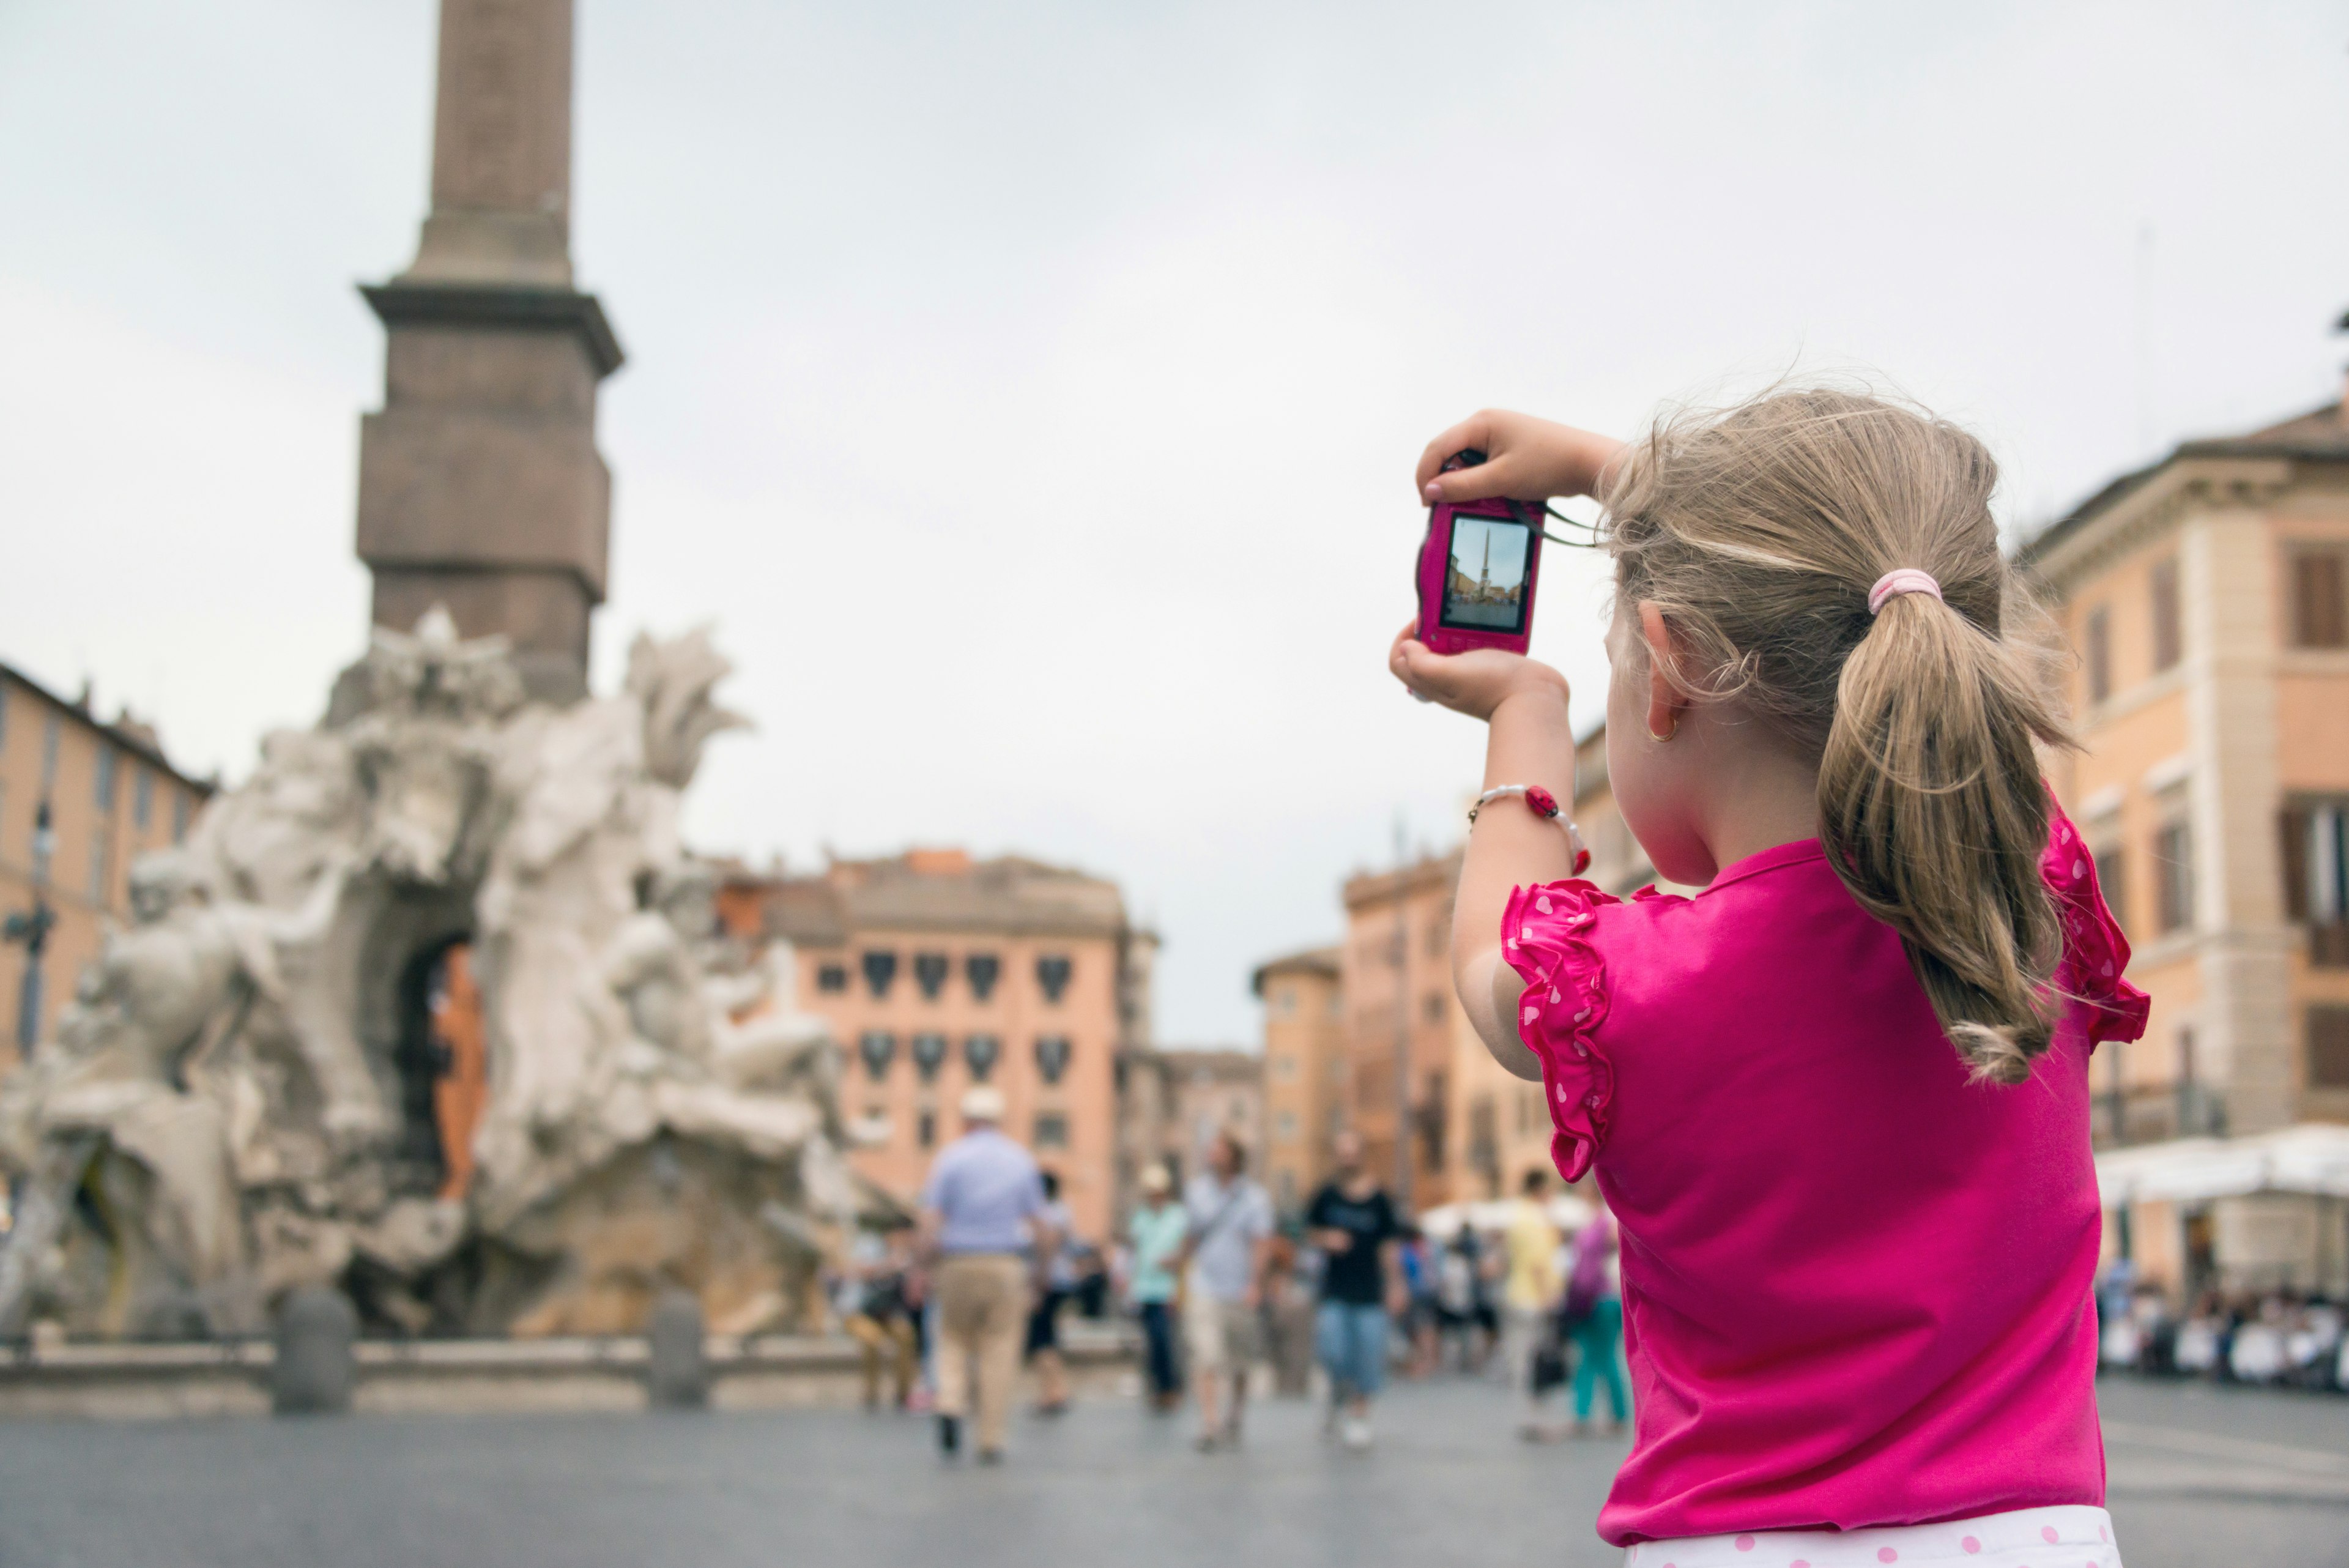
column 435, row 1008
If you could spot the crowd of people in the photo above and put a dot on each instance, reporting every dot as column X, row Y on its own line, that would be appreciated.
column 1216, row 1286
column 2281, row 1338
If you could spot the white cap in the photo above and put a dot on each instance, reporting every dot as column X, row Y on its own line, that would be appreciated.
column 982, row 1103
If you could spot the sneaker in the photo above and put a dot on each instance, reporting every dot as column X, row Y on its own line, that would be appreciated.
column 1206, row 1442
column 1357, row 1434
column 949, row 1435
column 990, row 1456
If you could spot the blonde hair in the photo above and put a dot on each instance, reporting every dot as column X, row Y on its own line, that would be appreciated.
column 1757, row 533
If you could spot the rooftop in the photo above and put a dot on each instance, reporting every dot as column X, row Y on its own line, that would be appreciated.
column 2319, row 435
column 132, row 734
column 940, row 890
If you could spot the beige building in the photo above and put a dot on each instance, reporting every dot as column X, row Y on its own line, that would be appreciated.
column 936, row 971
column 2204, row 597
column 1305, row 1070
column 79, row 800
column 1173, row 1102
column 1401, row 1029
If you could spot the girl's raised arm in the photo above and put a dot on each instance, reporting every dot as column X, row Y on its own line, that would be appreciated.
column 1530, row 742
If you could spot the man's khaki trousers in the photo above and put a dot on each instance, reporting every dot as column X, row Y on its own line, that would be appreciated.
column 982, row 1312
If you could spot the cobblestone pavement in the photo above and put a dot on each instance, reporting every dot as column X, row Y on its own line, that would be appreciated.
column 2200, row 1479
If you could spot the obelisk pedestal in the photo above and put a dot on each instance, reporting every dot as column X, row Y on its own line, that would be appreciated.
column 480, row 485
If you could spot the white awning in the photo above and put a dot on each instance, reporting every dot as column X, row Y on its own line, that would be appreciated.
column 2313, row 1157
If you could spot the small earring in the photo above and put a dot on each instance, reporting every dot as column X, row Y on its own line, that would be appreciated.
column 1666, row 737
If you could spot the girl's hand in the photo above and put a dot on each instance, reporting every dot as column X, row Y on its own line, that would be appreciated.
column 1526, row 459
column 1475, row 683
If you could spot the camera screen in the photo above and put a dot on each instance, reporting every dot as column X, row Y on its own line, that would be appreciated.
column 1485, row 591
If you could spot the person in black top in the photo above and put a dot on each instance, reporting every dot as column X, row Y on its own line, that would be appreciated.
column 1354, row 1224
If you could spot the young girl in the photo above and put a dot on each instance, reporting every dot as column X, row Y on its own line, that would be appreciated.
column 1838, row 1102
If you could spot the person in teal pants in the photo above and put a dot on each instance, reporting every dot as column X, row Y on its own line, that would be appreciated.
column 1595, row 1309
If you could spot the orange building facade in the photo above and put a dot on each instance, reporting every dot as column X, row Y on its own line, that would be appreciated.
column 2206, row 602
column 936, row 971
column 80, row 799
column 1305, row 1078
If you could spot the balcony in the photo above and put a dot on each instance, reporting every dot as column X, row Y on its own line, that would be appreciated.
column 2153, row 1113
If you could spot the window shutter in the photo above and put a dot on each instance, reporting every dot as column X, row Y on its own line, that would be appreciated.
column 2295, row 824
column 2168, row 632
column 2319, row 604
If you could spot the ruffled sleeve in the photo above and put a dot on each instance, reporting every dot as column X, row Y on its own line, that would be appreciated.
column 1545, row 935
column 2096, row 953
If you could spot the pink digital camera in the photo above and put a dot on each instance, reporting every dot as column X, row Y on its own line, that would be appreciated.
column 1476, row 572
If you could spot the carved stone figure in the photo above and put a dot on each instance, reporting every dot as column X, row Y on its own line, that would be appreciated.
column 254, row 1085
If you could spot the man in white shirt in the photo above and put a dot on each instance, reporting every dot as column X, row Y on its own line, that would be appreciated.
column 1225, row 1253
column 982, row 1210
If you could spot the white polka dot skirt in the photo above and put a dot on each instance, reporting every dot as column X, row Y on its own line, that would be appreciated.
column 2068, row 1537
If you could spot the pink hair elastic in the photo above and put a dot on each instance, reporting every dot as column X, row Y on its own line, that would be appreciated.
column 1902, row 580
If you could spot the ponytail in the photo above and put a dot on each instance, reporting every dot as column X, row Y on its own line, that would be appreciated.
column 1932, row 811
column 1761, row 534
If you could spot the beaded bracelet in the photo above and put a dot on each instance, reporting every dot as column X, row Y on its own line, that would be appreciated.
column 1543, row 804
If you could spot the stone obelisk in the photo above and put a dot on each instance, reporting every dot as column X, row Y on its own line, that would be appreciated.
column 480, row 485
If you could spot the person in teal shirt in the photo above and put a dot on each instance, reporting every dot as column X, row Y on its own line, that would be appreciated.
column 1157, row 1230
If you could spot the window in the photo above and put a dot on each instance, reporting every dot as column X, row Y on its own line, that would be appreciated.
column 2173, row 861
column 1284, row 1002
column 49, row 755
column 2316, row 876
column 983, row 970
column 142, row 797
column 1053, row 1053
column 1051, row 1131
column 1284, row 1126
column 1052, row 973
column 1433, row 1006
column 880, row 968
column 2112, row 880
column 1283, row 1066
column 2328, row 1047
column 876, row 1048
column 97, row 870
column 178, row 818
column 108, row 764
column 981, row 1053
column 925, row 1129
column 832, row 977
column 930, row 973
column 2320, row 598
column 1439, row 939
column 2096, row 653
column 2168, row 624
column 930, row 1052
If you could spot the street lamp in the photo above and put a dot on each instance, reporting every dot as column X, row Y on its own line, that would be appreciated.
column 32, row 927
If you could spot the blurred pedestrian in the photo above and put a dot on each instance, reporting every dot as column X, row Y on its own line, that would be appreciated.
column 1224, row 1251
column 1157, row 1230
column 983, row 1218
column 1355, row 1225
column 1529, row 1298
column 1058, row 1271
column 1594, row 1315
column 874, row 1309
column 1419, row 1317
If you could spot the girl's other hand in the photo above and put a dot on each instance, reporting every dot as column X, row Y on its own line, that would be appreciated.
column 1475, row 683
column 1526, row 459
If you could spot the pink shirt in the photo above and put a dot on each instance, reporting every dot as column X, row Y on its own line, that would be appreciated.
column 1856, row 1288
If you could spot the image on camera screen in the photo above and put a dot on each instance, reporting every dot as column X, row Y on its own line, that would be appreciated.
column 1485, row 587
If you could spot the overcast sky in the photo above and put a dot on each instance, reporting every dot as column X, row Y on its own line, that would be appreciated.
column 1029, row 392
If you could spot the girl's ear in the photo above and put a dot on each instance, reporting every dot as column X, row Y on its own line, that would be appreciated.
column 1666, row 702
